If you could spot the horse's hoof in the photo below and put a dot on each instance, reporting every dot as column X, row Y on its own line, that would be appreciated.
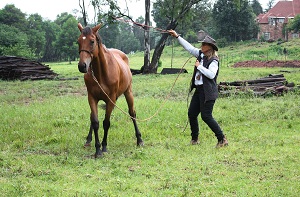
column 99, row 155
column 141, row 143
column 87, row 145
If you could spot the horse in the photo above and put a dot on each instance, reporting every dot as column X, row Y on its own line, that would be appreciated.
column 107, row 76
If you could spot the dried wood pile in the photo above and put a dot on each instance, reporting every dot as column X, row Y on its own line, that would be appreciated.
column 17, row 68
column 275, row 84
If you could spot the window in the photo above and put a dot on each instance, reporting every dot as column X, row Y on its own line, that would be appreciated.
column 267, row 35
column 271, row 21
column 295, row 35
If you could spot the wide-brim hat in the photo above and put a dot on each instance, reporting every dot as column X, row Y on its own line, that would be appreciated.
column 211, row 41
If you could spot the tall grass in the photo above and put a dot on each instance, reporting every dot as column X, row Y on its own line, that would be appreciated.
column 44, row 125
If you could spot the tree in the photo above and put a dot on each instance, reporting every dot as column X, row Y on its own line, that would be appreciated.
column 14, row 42
column 126, row 40
column 269, row 5
column 199, row 18
column 51, row 36
column 109, row 33
column 146, row 65
column 67, row 39
column 256, row 6
column 83, row 11
column 36, row 33
column 13, row 38
column 233, row 21
column 138, row 33
column 62, row 18
column 12, row 16
column 167, row 14
column 294, row 24
column 108, row 10
column 175, row 10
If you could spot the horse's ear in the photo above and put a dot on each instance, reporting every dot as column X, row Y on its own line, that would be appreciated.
column 80, row 27
column 96, row 28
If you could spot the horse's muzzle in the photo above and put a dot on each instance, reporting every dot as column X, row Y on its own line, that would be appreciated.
column 82, row 68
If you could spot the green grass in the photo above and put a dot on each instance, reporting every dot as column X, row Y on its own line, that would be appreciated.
column 44, row 125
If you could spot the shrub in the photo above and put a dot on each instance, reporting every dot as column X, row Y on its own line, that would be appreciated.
column 222, row 42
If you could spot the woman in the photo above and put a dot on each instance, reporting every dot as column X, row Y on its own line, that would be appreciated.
column 204, row 81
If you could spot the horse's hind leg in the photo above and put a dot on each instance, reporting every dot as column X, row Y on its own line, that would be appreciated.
column 89, row 137
column 130, row 103
column 138, row 134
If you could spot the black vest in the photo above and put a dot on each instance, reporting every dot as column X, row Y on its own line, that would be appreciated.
column 209, row 85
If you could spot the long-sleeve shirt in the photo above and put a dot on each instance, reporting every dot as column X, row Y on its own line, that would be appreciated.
column 209, row 72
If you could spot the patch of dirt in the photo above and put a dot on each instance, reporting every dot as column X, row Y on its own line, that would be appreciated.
column 271, row 63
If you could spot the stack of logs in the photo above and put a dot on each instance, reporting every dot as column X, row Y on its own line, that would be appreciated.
column 14, row 68
column 275, row 84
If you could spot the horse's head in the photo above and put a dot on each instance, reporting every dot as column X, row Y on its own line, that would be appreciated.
column 87, row 42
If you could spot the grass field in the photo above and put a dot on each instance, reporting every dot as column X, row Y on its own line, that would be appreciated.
column 44, row 125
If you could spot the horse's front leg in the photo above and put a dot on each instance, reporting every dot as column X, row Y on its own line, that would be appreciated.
column 95, row 124
column 106, row 124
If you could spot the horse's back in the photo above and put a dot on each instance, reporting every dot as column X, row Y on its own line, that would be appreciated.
column 120, row 54
column 123, row 62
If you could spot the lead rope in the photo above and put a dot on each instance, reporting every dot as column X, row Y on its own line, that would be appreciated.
column 142, row 120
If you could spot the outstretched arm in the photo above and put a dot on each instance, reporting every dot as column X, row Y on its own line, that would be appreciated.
column 185, row 44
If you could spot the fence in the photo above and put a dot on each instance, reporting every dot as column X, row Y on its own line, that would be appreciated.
column 230, row 59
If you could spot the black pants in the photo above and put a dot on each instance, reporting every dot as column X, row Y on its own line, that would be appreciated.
column 197, row 106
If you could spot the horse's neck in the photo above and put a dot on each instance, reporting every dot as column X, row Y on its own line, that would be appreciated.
column 100, row 67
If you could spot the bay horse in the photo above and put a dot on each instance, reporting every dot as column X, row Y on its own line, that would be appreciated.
column 107, row 76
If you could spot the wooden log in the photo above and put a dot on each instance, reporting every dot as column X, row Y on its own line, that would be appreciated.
column 274, row 75
column 268, row 84
column 273, row 84
column 256, row 81
column 12, row 68
column 173, row 71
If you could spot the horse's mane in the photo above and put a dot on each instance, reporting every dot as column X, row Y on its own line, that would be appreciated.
column 88, row 31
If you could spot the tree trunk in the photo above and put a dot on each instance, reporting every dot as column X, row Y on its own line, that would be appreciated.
column 147, row 35
column 83, row 11
column 158, row 50
column 172, row 25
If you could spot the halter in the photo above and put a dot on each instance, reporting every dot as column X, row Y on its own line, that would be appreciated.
column 91, row 51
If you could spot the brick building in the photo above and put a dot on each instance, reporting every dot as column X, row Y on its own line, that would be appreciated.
column 271, row 24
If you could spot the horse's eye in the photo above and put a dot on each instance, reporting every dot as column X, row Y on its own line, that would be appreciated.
column 92, row 42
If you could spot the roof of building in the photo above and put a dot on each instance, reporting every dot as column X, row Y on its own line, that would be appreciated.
column 283, row 9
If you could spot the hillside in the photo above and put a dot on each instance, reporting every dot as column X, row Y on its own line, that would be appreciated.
column 237, row 59
column 231, row 54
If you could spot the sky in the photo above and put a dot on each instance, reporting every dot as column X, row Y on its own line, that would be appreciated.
column 49, row 9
